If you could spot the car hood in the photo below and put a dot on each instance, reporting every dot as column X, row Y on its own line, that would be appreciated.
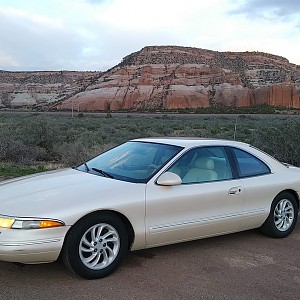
column 58, row 194
column 40, row 182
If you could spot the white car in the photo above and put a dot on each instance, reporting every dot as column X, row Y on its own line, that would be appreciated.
column 141, row 194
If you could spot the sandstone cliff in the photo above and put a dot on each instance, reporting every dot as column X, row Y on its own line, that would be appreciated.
column 41, row 89
column 171, row 77
column 163, row 77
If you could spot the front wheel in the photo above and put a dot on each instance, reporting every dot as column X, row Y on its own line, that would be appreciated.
column 283, row 216
column 95, row 246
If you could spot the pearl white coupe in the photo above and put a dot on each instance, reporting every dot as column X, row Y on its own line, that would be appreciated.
column 145, row 193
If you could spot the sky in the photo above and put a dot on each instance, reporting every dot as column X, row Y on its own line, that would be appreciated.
column 94, row 35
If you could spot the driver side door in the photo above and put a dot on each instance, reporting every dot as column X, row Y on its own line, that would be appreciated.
column 208, row 202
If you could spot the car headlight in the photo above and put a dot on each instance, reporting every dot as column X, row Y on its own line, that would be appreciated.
column 6, row 222
column 26, row 223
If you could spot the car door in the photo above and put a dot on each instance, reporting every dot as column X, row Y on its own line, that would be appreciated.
column 260, row 186
column 208, row 202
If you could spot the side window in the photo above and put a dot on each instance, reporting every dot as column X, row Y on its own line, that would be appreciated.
column 249, row 165
column 203, row 164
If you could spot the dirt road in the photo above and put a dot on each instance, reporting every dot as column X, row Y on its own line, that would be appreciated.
column 245, row 265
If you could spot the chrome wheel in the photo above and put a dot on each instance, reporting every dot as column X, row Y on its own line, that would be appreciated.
column 284, row 215
column 99, row 246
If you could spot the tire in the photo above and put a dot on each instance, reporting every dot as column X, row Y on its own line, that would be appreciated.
column 95, row 246
column 283, row 216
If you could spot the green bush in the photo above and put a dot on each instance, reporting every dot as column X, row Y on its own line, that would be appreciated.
column 29, row 138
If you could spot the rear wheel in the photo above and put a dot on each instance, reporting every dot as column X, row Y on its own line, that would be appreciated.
column 96, row 246
column 283, row 216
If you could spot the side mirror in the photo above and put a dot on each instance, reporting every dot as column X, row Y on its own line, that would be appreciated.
column 169, row 179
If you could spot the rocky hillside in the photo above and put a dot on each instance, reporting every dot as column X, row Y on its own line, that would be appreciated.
column 41, row 89
column 171, row 77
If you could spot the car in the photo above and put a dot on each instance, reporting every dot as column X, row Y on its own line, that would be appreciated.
column 145, row 193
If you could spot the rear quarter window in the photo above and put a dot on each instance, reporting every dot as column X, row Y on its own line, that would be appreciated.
column 249, row 165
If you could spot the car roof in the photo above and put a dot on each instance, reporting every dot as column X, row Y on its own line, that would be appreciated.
column 187, row 142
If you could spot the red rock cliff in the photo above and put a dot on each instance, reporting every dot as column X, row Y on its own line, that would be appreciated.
column 163, row 77
column 173, row 77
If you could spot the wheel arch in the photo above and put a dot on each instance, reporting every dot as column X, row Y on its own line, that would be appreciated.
column 286, row 224
column 293, row 193
column 124, row 219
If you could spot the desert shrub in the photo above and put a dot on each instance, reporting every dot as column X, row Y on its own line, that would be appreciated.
column 281, row 141
column 12, row 170
column 16, row 151
column 71, row 154
column 68, row 141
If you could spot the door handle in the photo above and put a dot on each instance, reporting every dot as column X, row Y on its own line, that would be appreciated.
column 235, row 190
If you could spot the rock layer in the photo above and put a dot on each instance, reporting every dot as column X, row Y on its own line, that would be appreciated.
column 162, row 77
column 170, row 77
column 19, row 89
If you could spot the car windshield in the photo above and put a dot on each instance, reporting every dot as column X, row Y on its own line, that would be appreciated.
column 133, row 161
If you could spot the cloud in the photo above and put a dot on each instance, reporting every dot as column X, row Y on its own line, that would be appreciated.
column 7, row 61
column 271, row 26
column 268, row 8
column 87, row 36
column 32, row 42
column 97, row 34
column 97, row 1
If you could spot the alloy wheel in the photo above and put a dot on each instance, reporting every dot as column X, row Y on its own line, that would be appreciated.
column 284, row 215
column 99, row 246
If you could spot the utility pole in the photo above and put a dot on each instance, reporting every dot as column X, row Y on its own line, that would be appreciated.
column 72, row 109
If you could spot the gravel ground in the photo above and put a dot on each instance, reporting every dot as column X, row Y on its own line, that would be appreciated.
column 244, row 265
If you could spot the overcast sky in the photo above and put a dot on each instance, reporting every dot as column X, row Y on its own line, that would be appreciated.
column 97, row 34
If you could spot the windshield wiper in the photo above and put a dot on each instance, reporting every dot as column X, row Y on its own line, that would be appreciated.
column 86, row 167
column 103, row 173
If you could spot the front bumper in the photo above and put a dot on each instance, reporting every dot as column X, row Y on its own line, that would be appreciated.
column 31, row 246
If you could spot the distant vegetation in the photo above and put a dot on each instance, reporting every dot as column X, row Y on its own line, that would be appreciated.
column 32, row 142
column 215, row 108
